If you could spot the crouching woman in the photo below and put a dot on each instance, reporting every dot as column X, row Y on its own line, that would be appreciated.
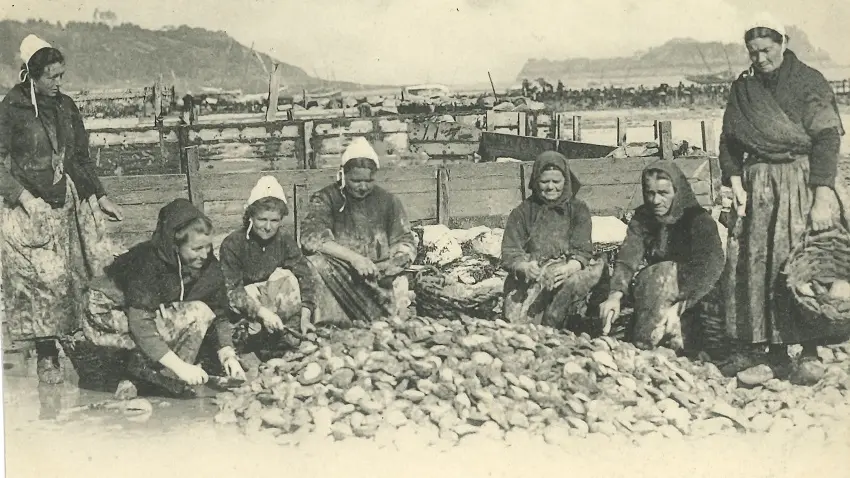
column 547, row 250
column 677, row 241
column 160, row 299
column 358, row 240
column 269, row 282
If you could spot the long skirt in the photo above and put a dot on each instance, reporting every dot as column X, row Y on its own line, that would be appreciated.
column 343, row 297
column 531, row 303
column 759, row 307
column 47, row 260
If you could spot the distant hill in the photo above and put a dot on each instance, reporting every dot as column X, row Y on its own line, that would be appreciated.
column 128, row 56
column 679, row 55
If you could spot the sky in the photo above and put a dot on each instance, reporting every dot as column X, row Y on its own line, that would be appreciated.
column 454, row 41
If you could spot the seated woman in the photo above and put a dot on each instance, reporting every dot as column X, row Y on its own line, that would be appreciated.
column 268, row 280
column 678, row 241
column 359, row 242
column 547, row 249
column 160, row 298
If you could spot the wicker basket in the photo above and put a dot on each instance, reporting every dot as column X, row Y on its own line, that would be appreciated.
column 432, row 301
column 823, row 257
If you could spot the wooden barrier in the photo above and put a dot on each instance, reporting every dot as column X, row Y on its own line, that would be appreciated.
column 526, row 148
column 456, row 195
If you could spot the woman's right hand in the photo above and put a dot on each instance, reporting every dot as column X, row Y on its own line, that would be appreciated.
column 191, row 374
column 364, row 267
column 739, row 196
column 530, row 269
column 271, row 321
column 609, row 311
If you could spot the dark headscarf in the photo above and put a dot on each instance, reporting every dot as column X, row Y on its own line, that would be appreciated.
column 172, row 217
column 548, row 160
column 684, row 200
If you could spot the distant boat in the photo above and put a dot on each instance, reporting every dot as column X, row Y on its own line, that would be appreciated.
column 718, row 78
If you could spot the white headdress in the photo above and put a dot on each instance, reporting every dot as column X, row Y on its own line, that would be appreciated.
column 359, row 148
column 766, row 20
column 29, row 46
column 266, row 187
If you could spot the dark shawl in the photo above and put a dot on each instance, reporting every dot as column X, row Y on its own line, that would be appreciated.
column 540, row 230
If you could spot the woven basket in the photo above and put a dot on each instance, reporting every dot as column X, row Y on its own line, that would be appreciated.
column 431, row 301
column 821, row 257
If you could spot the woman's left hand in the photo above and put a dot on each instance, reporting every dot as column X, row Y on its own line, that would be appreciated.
column 555, row 276
column 112, row 211
column 230, row 363
column 820, row 216
column 306, row 324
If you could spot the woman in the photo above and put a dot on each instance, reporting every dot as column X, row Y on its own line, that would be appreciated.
column 547, row 249
column 160, row 298
column 678, row 242
column 268, row 279
column 779, row 153
column 359, row 242
column 52, row 222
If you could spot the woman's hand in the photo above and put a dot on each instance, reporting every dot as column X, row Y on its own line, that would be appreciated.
column 364, row 267
column 306, row 324
column 739, row 196
column 556, row 275
column 610, row 310
column 228, row 359
column 530, row 269
column 821, row 214
column 271, row 321
column 112, row 211
column 191, row 374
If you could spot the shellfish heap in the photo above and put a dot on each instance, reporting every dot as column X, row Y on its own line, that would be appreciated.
column 445, row 381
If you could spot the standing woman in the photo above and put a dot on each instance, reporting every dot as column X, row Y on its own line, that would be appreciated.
column 779, row 153
column 53, row 231
column 547, row 249
column 358, row 240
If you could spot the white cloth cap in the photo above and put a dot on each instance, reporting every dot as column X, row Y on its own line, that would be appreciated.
column 267, row 187
column 766, row 20
column 359, row 148
column 30, row 45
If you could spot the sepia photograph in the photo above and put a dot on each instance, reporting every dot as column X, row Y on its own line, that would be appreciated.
column 425, row 238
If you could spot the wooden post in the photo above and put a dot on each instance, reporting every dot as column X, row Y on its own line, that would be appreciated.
column 621, row 131
column 562, row 125
column 665, row 139
column 443, row 214
column 274, row 91
column 308, row 160
column 522, row 123
column 157, row 99
column 299, row 206
column 655, row 130
column 489, row 120
column 193, row 177
column 577, row 128
column 533, row 129
column 524, row 175
column 708, row 145
column 304, row 98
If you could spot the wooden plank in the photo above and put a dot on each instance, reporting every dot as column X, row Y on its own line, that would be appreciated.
column 196, row 188
column 465, row 202
column 445, row 149
column 709, row 142
column 274, row 91
column 308, row 158
column 621, row 131
column 527, row 148
column 298, row 209
column 145, row 190
column 522, row 124
column 443, row 211
column 577, row 128
column 665, row 139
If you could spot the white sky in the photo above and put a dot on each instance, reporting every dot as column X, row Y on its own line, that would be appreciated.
column 454, row 41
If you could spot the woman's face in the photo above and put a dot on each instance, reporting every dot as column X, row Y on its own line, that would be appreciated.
column 51, row 80
column 551, row 184
column 359, row 182
column 193, row 253
column 266, row 224
column 765, row 54
column 659, row 194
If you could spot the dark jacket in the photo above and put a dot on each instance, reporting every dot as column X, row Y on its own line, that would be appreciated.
column 30, row 147
column 149, row 275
